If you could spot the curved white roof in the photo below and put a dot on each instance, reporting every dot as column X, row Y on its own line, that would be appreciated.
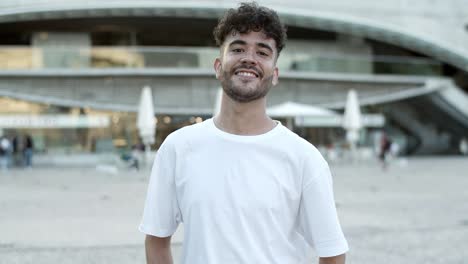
column 436, row 28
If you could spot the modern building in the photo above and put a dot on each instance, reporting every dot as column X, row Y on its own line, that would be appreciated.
column 71, row 71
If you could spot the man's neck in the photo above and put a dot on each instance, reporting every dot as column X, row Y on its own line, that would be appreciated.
column 243, row 118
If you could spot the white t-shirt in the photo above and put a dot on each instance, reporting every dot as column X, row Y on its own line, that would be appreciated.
column 261, row 199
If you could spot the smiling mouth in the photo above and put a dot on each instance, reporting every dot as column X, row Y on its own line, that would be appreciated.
column 246, row 73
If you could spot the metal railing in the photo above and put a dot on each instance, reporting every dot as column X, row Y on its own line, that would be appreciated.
column 29, row 58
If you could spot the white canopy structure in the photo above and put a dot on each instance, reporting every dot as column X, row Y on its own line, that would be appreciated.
column 292, row 109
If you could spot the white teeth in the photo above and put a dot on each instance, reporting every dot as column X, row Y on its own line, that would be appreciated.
column 249, row 74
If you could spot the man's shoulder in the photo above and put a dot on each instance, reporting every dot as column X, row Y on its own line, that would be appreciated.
column 296, row 141
column 302, row 148
column 183, row 134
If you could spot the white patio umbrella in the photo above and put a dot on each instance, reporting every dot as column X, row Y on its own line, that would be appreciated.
column 290, row 110
column 218, row 99
column 146, row 123
column 352, row 120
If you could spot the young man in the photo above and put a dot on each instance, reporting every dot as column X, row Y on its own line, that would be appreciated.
column 247, row 189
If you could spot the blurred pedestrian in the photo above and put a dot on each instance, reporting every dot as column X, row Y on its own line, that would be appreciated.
column 137, row 155
column 5, row 150
column 28, row 149
column 463, row 146
column 247, row 189
column 17, row 147
column 385, row 146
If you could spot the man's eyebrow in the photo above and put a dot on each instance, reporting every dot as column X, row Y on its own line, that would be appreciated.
column 260, row 44
column 237, row 42
column 264, row 45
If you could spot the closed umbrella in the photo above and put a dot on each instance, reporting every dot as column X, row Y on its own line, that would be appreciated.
column 218, row 99
column 352, row 120
column 145, row 120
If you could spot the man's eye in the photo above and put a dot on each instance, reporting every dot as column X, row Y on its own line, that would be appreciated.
column 237, row 50
column 261, row 53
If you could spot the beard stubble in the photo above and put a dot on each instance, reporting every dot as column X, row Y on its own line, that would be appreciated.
column 242, row 95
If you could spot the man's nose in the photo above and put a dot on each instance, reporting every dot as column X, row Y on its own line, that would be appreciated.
column 249, row 58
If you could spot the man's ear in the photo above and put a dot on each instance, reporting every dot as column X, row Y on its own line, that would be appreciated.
column 217, row 67
column 275, row 81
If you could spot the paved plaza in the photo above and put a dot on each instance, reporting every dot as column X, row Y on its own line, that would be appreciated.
column 414, row 212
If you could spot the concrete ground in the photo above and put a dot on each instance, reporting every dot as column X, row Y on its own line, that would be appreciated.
column 415, row 212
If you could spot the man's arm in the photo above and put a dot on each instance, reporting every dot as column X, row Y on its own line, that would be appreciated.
column 340, row 259
column 158, row 250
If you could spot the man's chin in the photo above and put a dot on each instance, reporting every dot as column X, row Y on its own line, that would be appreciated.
column 243, row 95
column 243, row 99
column 244, row 92
column 242, row 81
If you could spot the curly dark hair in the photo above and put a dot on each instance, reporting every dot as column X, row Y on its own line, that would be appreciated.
column 251, row 17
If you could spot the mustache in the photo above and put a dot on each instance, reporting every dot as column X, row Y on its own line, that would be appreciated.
column 248, row 67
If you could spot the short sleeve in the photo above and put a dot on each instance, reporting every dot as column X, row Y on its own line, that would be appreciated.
column 318, row 219
column 161, row 214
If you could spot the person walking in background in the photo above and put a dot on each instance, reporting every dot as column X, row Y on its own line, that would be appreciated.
column 463, row 146
column 17, row 146
column 5, row 152
column 247, row 189
column 385, row 146
column 28, row 148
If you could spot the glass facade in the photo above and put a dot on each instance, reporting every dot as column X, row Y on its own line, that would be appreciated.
column 27, row 58
column 53, row 131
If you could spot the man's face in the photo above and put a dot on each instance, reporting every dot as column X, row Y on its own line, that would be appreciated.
column 247, row 66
